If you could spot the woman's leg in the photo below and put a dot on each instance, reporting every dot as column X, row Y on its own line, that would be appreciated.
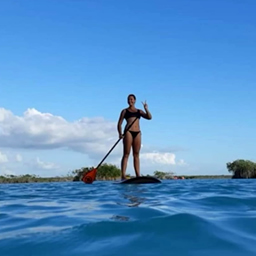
column 127, row 143
column 136, row 145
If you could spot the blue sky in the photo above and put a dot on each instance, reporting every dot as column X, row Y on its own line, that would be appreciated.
column 68, row 66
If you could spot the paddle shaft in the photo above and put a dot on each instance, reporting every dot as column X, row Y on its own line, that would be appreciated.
column 116, row 143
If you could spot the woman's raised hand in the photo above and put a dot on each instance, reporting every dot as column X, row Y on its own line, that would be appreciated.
column 145, row 105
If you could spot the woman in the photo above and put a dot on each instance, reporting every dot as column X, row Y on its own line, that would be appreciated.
column 132, row 138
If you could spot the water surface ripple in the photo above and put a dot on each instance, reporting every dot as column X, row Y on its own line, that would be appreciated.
column 176, row 217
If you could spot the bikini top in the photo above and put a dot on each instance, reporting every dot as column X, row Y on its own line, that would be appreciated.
column 129, row 114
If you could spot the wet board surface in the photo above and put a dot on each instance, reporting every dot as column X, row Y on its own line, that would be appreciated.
column 139, row 180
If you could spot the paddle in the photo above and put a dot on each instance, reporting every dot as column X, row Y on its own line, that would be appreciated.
column 90, row 176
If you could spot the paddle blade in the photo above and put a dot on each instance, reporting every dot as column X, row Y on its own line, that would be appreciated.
column 90, row 176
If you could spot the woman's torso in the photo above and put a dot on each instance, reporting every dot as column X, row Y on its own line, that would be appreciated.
column 130, row 115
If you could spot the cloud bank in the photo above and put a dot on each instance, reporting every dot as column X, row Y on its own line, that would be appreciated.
column 36, row 130
column 91, row 136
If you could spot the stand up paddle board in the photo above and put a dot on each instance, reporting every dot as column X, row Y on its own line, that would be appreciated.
column 139, row 180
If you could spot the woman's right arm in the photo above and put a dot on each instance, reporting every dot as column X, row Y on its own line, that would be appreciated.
column 119, row 123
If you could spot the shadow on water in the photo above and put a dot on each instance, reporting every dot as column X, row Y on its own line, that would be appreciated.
column 136, row 201
column 130, row 196
column 133, row 196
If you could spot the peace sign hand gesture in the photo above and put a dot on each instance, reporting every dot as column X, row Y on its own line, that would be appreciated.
column 145, row 104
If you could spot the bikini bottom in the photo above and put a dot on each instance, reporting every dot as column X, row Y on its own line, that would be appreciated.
column 134, row 134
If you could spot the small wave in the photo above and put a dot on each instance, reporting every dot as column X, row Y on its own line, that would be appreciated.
column 181, row 234
column 173, row 218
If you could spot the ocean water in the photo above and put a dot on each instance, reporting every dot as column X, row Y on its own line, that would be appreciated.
column 176, row 217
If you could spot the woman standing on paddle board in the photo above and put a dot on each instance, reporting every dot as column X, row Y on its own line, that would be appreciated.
column 132, row 138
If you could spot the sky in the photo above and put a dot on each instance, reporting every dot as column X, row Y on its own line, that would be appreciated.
column 67, row 67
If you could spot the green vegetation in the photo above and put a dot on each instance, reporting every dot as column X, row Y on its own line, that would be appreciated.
column 170, row 175
column 239, row 169
column 207, row 176
column 242, row 169
column 163, row 175
column 32, row 178
column 79, row 173
column 105, row 172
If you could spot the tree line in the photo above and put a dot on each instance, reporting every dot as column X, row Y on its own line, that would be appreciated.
column 112, row 172
column 240, row 169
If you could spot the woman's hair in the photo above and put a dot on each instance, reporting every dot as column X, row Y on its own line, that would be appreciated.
column 132, row 95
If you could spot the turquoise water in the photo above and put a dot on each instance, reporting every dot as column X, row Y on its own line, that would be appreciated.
column 176, row 217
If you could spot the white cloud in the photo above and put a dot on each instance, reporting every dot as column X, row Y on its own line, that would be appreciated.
column 3, row 158
column 39, row 164
column 18, row 158
column 36, row 130
column 159, row 158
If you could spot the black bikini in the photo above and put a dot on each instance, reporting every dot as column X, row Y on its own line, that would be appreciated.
column 129, row 114
column 134, row 134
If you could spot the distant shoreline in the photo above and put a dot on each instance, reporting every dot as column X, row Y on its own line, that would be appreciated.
column 33, row 179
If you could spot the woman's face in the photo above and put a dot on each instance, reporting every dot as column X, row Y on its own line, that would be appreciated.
column 131, row 100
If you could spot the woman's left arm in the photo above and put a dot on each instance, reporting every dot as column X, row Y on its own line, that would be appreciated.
column 146, row 115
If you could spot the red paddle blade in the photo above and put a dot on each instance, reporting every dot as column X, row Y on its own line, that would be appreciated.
column 90, row 176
